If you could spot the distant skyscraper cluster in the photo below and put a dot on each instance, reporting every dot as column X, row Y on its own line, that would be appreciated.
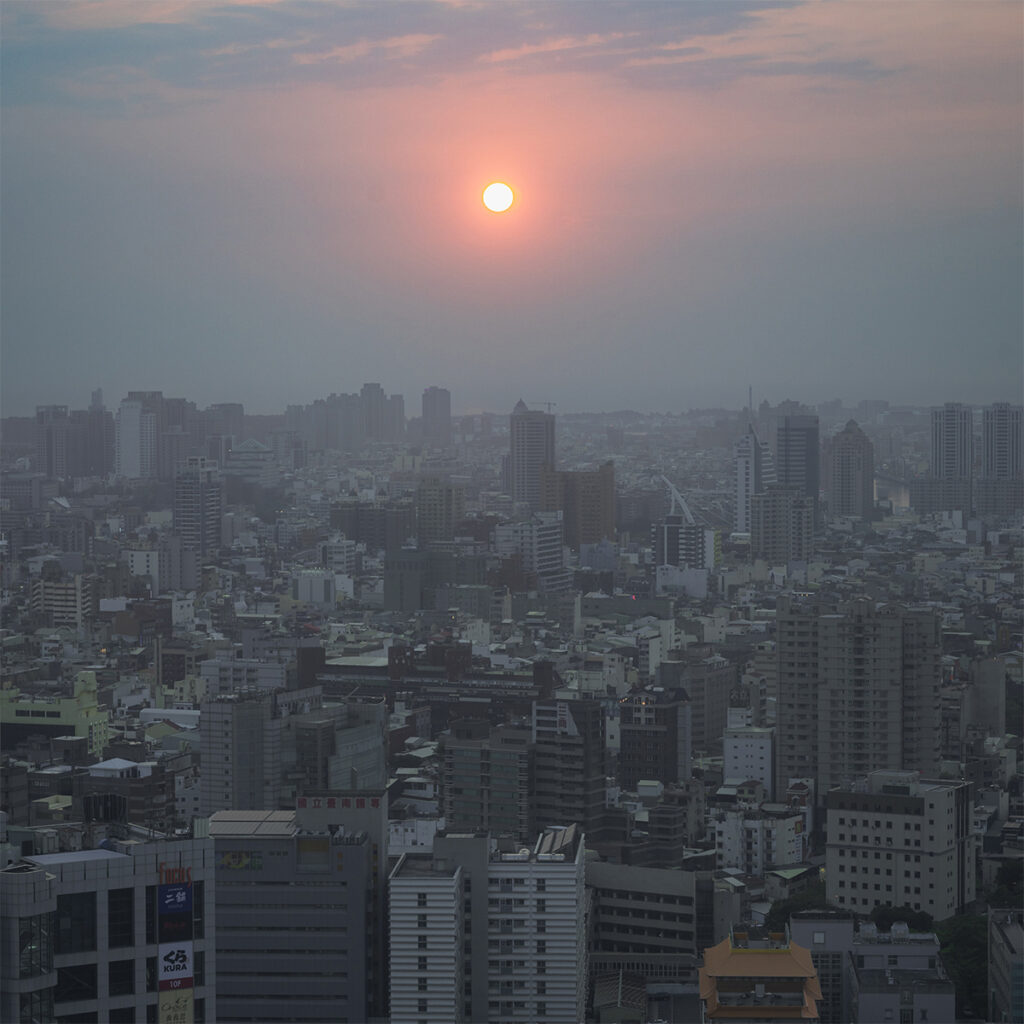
column 968, row 477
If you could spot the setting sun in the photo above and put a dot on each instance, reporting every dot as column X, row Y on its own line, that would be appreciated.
column 498, row 197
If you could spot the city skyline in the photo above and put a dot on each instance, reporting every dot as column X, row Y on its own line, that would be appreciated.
column 246, row 202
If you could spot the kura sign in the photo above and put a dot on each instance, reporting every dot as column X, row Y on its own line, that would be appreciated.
column 175, row 963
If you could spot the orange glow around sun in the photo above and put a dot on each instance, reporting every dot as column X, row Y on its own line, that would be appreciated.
column 498, row 197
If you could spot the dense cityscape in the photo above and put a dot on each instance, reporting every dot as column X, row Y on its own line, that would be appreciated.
column 365, row 711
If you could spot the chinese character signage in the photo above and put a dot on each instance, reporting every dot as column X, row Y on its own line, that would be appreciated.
column 176, row 1007
column 175, row 899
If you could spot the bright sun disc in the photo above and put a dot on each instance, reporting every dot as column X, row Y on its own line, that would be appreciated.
column 498, row 197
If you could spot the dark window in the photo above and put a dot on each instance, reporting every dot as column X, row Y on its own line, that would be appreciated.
column 150, row 973
column 38, row 1005
column 35, row 945
column 151, row 1010
column 121, row 917
column 126, row 1015
column 76, row 922
column 199, row 968
column 121, row 977
column 199, row 1011
column 150, row 913
column 76, row 983
column 198, row 909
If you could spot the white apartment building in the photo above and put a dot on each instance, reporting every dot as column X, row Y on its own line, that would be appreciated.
column 895, row 839
column 748, row 752
column 483, row 931
column 755, row 840
column 754, row 469
column 135, row 444
column 539, row 542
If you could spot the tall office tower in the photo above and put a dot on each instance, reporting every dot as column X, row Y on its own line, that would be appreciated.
column 226, row 419
column 198, row 505
column 655, row 738
column 490, row 935
column 1000, row 491
column 53, row 425
column 781, row 525
column 1002, row 430
column 394, row 418
column 373, row 402
column 138, row 426
column 440, row 506
column 531, row 446
column 797, row 455
column 487, row 780
column 858, row 692
column 707, row 679
column 570, row 764
column 586, row 499
column 95, row 456
column 755, row 470
column 851, row 490
column 896, row 839
column 952, row 442
column 175, row 441
column 437, row 416
column 298, row 951
column 921, row 653
column 240, row 752
column 796, row 648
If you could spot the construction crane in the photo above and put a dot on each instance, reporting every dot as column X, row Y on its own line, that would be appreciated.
column 550, row 405
column 677, row 498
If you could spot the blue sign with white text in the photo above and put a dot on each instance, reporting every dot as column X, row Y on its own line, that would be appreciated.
column 175, row 899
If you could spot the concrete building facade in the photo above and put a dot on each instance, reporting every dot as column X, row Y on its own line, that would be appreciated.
column 895, row 839
column 507, row 922
column 121, row 933
column 292, row 899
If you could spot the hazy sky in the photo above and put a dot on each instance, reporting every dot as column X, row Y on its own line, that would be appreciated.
column 273, row 201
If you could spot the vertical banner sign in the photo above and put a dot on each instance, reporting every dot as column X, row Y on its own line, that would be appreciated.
column 175, row 958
